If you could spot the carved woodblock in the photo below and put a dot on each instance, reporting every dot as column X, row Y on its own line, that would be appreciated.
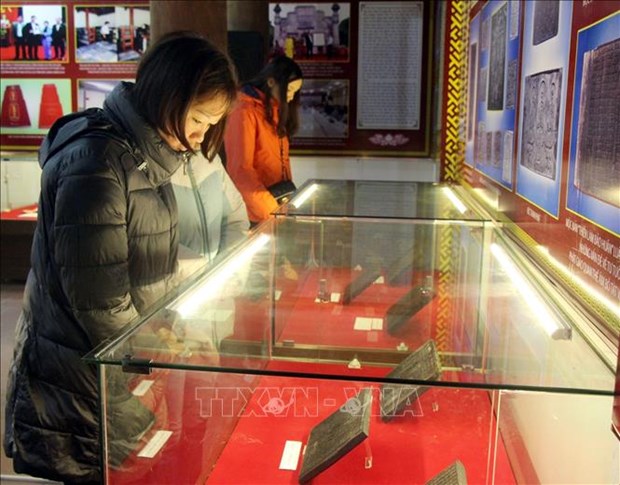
column 497, row 148
column 511, row 84
column 546, row 20
column 422, row 365
column 336, row 435
column 410, row 304
column 497, row 60
column 598, row 139
column 359, row 284
column 481, row 143
column 541, row 114
column 471, row 89
column 451, row 475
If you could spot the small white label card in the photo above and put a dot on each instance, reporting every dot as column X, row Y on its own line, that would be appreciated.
column 362, row 323
column 368, row 323
column 290, row 455
column 155, row 444
column 335, row 297
column 142, row 388
column 277, row 294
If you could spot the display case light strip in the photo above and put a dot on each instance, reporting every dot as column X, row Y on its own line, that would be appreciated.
column 455, row 200
column 303, row 197
column 534, row 303
column 613, row 307
column 214, row 282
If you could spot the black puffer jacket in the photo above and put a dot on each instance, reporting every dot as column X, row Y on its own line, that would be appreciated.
column 105, row 248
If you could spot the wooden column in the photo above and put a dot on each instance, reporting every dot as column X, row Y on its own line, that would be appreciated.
column 208, row 18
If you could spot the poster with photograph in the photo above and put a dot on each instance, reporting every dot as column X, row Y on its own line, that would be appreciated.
column 91, row 93
column 366, row 70
column 593, row 189
column 473, row 79
column 30, row 106
column 111, row 33
column 48, row 52
column 491, row 150
column 543, row 102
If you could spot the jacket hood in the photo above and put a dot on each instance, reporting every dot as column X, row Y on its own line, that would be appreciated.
column 161, row 160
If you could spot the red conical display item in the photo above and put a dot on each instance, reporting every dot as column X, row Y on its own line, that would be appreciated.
column 50, row 109
column 14, row 111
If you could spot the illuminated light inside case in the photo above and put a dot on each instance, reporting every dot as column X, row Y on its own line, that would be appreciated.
column 215, row 282
column 614, row 307
column 303, row 197
column 538, row 308
column 490, row 198
column 455, row 200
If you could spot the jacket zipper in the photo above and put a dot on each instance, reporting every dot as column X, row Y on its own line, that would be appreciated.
column 202, row 216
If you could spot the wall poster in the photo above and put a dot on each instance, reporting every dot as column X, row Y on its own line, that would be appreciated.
column 492, row 89
column 367, row 69
column 593, row 190
column 60, row 57
column 545, row 62
column 567, row 191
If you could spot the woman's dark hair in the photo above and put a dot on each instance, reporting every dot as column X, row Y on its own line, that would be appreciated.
column 282, row 70
column 183, row 67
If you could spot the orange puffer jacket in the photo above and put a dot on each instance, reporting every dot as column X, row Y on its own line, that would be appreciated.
column 255, row 156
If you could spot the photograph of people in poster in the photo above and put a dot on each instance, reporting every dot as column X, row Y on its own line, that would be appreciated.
column 111, row 33
column 593, row 190
column 310, row 32
column 543, row 102
column 30, row 106
column 33, row 33
column 324, row 109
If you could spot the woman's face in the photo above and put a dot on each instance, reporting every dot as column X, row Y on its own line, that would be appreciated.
column 202, row 115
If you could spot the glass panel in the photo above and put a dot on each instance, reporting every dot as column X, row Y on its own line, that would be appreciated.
column 540, row 430
column 408, row 200
column 369, row 290
column 176, row 426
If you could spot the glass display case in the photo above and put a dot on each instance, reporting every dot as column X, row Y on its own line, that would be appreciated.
column 370, row 332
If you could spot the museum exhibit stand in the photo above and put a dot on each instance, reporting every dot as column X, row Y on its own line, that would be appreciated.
column 370, row 332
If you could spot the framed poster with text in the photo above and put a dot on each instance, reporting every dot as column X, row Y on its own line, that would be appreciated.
column 367, row 70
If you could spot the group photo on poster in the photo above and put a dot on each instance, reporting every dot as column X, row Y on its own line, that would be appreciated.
column 34, row 32
column 494, row 48
column 593, row 190
column 546, row 42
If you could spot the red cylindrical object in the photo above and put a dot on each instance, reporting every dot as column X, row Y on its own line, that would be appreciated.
column 50, row 109
column 14, row 111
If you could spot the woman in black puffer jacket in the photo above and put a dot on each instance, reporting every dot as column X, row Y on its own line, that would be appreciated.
column 105, row 247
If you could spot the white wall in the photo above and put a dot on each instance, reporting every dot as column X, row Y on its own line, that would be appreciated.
column 21, row 180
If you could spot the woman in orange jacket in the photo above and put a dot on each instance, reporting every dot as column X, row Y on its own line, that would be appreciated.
column 258, row 131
